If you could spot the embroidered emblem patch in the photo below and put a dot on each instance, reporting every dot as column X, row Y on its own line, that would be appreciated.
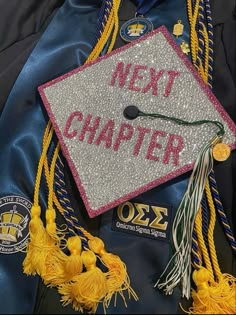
column 112, row 158
column 14, row 220
column 135, row 28
column 147, row 220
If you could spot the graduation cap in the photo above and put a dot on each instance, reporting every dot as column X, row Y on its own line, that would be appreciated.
column 115, row 151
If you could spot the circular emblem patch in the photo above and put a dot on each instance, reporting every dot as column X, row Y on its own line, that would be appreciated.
column 135, row 28
column 14, row 221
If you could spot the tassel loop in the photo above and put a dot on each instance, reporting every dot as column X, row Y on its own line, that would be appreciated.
column 73, row 265
column 50, row 223
column 35, row 212
column 201, row 278
column 36, row 226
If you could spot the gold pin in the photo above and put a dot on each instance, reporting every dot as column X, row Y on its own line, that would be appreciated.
column 221, row 152
column 185, row 47
column 178, row 28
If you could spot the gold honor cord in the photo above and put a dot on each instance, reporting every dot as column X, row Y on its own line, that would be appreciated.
column 84, row 289
column 215, row 292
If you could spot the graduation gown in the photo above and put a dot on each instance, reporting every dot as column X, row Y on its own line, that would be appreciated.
column 21, row 144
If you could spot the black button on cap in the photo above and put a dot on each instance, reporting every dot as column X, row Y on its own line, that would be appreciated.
column 131, row 112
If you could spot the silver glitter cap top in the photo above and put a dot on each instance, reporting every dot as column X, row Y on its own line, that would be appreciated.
column 113, row 158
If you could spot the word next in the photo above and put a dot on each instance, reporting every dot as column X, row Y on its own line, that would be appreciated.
column 140, row 78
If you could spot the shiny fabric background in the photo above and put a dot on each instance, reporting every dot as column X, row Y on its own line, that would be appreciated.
column 21, row 128
column 21, row 26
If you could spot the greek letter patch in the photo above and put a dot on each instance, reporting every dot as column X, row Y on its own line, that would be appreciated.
column 147, row 220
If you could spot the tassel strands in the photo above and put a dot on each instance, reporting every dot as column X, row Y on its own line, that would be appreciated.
column 88, row 289
column 41, row 244
column 63, row 268
column 179, row 267
column 215, row 292
column 212, row 297
column 44, row 252
column 64, row 273
column 117, row 277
